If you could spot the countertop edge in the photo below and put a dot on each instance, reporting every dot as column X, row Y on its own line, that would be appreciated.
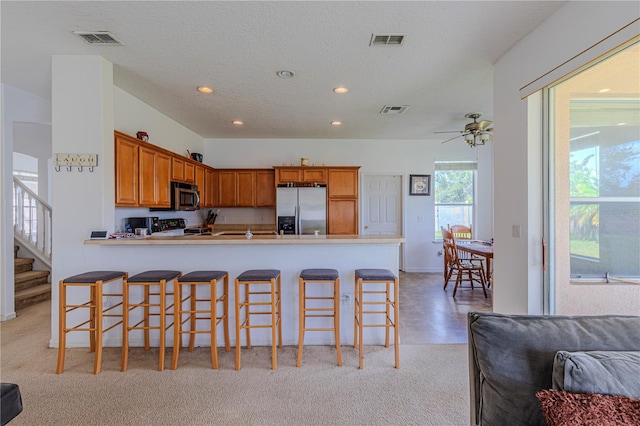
column 256, row 240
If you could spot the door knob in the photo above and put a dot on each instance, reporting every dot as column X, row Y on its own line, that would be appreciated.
column 366, row 227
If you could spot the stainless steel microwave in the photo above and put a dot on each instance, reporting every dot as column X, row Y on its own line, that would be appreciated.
column 184, row 197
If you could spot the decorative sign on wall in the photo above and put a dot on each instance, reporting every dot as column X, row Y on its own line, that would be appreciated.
column 419, row 184
column 74, row 160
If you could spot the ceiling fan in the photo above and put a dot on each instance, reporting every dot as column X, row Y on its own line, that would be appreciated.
column 476, row 133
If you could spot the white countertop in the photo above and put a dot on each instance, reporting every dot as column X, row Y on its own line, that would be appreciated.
column 255, row 240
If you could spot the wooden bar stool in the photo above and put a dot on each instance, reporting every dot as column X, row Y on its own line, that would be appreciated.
column 270, row 277
column 319, row 276
column 376, row 276
column 148, row 279
column 95, row 281
column 194, row 280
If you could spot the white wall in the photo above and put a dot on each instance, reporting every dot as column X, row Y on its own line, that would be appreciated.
column 571, row 30
column 132, row 115
column 18, row 106
column 402, row 157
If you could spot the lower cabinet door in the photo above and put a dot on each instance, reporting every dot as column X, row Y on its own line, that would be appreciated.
column 343, row 216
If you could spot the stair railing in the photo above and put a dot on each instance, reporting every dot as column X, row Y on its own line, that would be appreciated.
column 32, row 221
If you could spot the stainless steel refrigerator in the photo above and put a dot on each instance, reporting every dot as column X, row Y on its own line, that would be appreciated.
column 301, row 210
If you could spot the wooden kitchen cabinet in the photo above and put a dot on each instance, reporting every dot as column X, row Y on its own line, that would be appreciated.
column 177, row 169
column 245, row 188
column 342, row 200
column 189, row 172
column 226, row 188
column 154, row 178
column 199, row 181
column 126, row 170
column 301, row 174
column 342, row 216
column 208, row 193
column 343, row 182
column 265, row 188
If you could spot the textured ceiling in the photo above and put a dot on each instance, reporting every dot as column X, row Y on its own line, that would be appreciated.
column 442, row 71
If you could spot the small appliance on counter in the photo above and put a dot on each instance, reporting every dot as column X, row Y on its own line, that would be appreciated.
column 151, row 224
column 171, row 224
column 198, row 230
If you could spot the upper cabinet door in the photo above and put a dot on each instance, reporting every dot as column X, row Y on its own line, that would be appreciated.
column 177, row 169
column 163, row 180
column 246, row 188
column 189, row 172
column 126, row 165
column 343, row 183
column 265, row 188
column 226, row 188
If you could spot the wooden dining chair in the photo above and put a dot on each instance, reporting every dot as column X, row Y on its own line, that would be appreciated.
column 462, row 232
column 447, row 237
column 465, row 269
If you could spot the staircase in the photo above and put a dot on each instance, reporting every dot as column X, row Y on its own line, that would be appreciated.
column 31, row 286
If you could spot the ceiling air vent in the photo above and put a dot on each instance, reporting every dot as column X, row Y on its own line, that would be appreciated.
column 104, row 38
column 386, row 40
column 394, row 109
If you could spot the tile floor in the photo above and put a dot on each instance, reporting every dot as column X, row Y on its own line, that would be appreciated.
column 429, row 314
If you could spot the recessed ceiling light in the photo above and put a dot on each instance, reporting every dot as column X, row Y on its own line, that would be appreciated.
column 336, row 123
column 622, row 124
column 340, row 90
column 284, row 74
column 603, row 90
column 205, row 89
column 237, row 123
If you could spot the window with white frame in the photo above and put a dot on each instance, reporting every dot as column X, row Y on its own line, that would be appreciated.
column 454, row 189
column 595, row 149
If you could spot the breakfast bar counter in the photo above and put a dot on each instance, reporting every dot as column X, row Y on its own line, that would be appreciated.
column 257, row 239
column 235, row 253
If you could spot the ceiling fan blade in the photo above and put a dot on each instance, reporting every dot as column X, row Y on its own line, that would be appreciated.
column 482, row 125
column 455, row 137
column 450, row 131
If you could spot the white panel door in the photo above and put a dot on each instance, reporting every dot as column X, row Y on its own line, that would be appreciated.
column 381, row 205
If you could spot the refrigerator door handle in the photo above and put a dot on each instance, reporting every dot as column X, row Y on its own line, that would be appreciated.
column 298, row 230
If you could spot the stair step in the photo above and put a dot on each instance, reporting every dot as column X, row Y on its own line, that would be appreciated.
column 22, row 264
column 32, row 295
column 24, row 280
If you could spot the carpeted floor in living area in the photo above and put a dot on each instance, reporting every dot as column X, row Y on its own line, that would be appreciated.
column 430, row 388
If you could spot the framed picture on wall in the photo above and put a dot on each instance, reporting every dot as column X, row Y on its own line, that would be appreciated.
column 419, row 184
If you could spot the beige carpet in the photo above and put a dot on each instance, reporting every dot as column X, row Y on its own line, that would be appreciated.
column 430, row 388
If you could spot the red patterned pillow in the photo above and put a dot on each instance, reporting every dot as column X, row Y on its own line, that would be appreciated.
column 561, row 408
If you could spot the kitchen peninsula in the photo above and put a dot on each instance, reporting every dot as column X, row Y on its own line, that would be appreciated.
column 237, row 253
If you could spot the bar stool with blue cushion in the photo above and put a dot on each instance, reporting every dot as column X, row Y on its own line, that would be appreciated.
column 149, row 280
column 201, row 309
column 373, row 278
column 267, row 303
column 95, row 281
column 318, row 310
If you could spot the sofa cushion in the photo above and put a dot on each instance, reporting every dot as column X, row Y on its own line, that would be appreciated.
column 10, row 402
column 563, row 408
column 511, row 358
column 605, row 372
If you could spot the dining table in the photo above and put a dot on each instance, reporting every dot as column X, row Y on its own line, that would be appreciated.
column 478, row 248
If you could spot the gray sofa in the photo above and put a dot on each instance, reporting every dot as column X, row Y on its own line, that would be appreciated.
column 511, row 357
